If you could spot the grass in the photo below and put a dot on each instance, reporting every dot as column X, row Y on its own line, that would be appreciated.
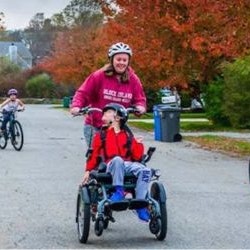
column 183, row 115
column 184, row 126
column 230, row 146
column 233, row 147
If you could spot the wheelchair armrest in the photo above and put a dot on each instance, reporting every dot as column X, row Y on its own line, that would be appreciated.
column 102, row 167
column 148, row 156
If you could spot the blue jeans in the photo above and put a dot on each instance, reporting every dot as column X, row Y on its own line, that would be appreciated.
column 6, row 119
column 118, row 167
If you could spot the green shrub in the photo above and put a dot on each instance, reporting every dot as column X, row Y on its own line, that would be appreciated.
column 153, row 98
column 40, row 86
column 185, row 99
column 213, row 97
column 237, row 92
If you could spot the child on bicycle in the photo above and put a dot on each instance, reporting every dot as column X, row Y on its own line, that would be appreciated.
column 8, row 106
column 120, row 155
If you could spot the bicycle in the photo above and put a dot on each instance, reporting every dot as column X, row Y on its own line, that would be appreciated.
column 93, row 201
column 13, row 131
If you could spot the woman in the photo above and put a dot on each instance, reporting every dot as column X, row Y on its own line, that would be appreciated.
column 115, row 82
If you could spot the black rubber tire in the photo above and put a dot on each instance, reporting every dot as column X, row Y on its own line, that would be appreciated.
column 105, row 224
column 99, row 226
column 155, row 192
column 18, row 139
column 3, row 141
column 83, row 219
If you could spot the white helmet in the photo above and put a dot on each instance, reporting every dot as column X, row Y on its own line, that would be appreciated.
column 119, row 48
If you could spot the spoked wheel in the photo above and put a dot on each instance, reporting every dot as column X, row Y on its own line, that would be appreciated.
column 3, row 140
column 17, row 136
column 158, row 224
column 83, row 219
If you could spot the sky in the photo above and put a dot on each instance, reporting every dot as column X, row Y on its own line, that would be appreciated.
column 18, row 13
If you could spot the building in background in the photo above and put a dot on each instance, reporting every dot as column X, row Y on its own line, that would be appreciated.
column 17, row 53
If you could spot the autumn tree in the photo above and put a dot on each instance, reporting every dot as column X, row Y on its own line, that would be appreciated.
column 180, row 41
column 2, row 28
column 1, row 21
column 77, row 52
column 78, row 49
column 82, row 13
column 39, row 36
column 175, row 42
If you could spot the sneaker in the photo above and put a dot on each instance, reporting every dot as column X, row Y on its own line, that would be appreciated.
column 143, row 214
column 117, row 196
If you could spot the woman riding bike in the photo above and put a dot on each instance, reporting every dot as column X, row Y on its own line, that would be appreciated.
column 115, row 82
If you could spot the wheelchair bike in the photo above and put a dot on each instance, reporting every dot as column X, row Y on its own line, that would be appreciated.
column 93, row 203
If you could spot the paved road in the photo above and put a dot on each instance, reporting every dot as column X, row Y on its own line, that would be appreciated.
column 208, row 193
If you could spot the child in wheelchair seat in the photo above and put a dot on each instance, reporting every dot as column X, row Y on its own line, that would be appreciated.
column 122, row 153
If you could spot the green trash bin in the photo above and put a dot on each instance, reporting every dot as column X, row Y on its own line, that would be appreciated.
column 66, row 101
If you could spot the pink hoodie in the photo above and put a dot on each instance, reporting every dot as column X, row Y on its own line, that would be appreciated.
column 99, row 89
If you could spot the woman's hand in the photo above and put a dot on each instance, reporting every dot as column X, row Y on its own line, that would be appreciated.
column 140, row 110
column 74, row 111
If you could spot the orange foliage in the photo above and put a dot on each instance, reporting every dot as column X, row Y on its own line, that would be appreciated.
column 174, row 42
column 178, row 41
column 77, row 52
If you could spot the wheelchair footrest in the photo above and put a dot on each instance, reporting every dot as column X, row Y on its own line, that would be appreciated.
column 119, row 205
column 138, row 203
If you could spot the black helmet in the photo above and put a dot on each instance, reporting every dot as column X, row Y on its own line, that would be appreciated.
column 120, row 111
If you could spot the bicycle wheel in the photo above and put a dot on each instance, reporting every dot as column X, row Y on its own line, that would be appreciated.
column 3, row 141
column 83, row 219
column 17, row 135
column 158, row 193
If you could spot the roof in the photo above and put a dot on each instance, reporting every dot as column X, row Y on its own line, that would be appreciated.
column 21, row 49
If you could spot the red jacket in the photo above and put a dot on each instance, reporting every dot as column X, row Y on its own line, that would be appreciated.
column 115, row 145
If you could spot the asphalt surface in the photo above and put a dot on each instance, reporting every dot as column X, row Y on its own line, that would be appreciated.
column 208, row 193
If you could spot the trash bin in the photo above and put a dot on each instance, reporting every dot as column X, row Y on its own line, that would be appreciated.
column 167, row 123
column 66, row 101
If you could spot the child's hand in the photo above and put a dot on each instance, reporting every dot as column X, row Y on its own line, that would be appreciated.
column 85, row 177
column 139, row 139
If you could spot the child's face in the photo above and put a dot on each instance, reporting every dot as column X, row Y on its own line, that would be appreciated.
column 13, row 97
column 109, row 117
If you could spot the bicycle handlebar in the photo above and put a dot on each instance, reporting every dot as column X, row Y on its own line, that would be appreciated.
column 89, row 109
column 13, row 111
